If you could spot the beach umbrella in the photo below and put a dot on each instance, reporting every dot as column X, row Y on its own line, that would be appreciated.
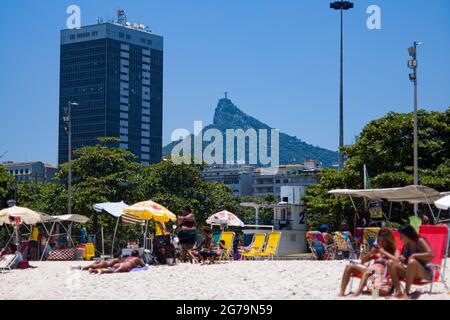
column 21, row 215
column 149, row 210
column 225, row 218
column 71, row 218
column 443, row 203
column 116, row 210
column 113, row 208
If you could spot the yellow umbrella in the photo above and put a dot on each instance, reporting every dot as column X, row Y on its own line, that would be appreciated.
column 149, row 210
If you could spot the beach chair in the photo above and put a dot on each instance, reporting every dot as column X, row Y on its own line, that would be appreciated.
column 256, row 245
column 398, row 241
column 228, row 237
column 216, row 238
column 438, row 239
column 271, row 248
column 319, row 249
column 7, row 262
column 369, row 239
column 341, row 246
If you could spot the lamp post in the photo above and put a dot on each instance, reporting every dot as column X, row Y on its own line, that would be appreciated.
column 68, row 121
column 341, row 5
column 412, row 64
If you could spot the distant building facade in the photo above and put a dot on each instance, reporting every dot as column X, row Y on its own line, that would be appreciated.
column 31, row 171
column 266, row 182
column 250, row 181
column 114, row 72
column 238, row 178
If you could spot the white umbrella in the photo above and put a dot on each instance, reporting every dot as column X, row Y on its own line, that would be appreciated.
column 225, row 218
column 443, row 203
column 71, row 218
column 24, row 215
column 113, row 208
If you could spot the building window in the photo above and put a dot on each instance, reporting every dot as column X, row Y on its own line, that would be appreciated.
column 94, row 33
column 128, row 37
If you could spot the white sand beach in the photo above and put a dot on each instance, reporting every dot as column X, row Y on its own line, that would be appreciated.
column 266, row 280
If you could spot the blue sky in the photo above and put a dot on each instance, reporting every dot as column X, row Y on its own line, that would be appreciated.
column 278, row 59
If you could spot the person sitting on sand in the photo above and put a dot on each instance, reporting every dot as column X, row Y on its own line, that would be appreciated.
column 413, row 263
column 326, row 236
column 384, row 251
column 126, row 266
column 205, row 245
column 212, row 253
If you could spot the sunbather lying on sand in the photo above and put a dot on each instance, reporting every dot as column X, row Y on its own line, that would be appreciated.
column 100, row 264
column 126, row 266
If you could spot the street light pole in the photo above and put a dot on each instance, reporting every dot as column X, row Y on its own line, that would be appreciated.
column 413, row 77
column 68, row 121
column 341, row 6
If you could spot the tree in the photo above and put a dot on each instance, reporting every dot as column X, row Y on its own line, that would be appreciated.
column 385, row 146
column 101, row 174
column 6, row 180
column 179, row 185
column 106, row 174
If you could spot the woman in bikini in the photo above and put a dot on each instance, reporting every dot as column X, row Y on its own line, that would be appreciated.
column 126, row 266
column 385, row 251
column 414, row 262
column 100, row 264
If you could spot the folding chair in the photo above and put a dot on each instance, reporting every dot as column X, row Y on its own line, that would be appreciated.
column 256, row 245
column 343, row 245
column 7, row 262
column 369, row 239
column 228, row 237
column 271, row 248
column 438, row 239
column 318, row 247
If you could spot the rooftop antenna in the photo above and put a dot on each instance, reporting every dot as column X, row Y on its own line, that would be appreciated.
column 121, row 17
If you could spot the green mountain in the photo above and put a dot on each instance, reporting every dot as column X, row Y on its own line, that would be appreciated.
column 292, row 149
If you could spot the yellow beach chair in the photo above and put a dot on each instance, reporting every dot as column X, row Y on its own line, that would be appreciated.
column 256, row 246
column 228, row 237
column 273, row 241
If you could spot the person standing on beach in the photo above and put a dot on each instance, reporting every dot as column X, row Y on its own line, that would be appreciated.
column 187, row 233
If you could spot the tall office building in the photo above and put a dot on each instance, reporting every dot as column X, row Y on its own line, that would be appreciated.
column 114, row 72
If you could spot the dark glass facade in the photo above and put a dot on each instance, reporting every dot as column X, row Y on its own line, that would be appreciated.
column 116, row 77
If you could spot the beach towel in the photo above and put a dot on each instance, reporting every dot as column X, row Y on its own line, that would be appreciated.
column 144, row 268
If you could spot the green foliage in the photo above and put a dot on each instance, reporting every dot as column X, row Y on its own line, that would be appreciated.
column 5, row 182
column 386, row 147
column 101, row 174
column 177, row 186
